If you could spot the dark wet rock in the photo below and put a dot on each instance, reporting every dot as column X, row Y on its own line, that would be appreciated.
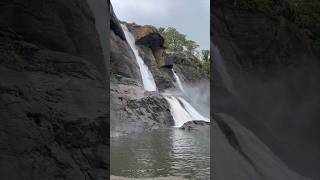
column 195, row 125
column 53, row 100
column 258, row 41
column 122, row 58
column 115, row 25
column 134, row 110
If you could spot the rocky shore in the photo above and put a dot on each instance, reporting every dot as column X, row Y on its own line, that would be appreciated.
column 160, row 178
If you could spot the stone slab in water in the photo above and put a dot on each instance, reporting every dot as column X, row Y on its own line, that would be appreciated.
column 195, row 125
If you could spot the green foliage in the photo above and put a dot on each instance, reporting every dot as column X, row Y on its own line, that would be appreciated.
column 191, row 46
column 173, row 39
column 177, row 41
column 205, row 66
column 115, row 77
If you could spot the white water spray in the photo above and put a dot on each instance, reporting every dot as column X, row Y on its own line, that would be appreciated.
column 179, row 114
column 222, row 70
column 178, row 81
column 192, row 111
column 181, row 110
column 147, row 78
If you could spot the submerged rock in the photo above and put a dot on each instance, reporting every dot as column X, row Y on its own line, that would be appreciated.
column 195, row 125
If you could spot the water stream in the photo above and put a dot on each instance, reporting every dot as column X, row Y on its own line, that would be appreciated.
column 146, row 75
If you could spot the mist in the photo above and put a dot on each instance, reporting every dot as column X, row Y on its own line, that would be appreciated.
column 280, row 105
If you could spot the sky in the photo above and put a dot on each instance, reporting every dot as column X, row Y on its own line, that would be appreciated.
column 189, row 17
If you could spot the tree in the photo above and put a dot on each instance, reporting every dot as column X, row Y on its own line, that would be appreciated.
column 205, row 53
column 191, row 46
column 177, row 41
column 173, row 39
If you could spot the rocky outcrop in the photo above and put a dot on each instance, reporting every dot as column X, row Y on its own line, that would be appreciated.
column 162, row 75
column 122, row 59
column 134, row 110
column 54, row 122
column 195, row 125
column 150, row 37
column 187, row 65
column 267, row 79
column 150, row 44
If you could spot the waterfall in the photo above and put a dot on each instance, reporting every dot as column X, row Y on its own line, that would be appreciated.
column 181, row 110
column 192, row 111
column 147, row 78
column 222, row 70
column 178, row 112
column 178, row 81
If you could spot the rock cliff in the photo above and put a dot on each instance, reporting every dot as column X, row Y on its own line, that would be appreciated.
column 54, row 122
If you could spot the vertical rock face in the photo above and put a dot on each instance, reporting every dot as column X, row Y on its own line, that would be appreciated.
column 122, row 59
column 275, row 75
column 53, row 101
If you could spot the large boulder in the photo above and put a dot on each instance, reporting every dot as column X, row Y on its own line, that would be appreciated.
column 150, row 37
column 195, row 125
column 134, row 110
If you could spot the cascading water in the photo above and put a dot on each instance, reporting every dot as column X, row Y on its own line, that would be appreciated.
column 222, row 70
column 192, row 111
column 178, row 80
column 181, row 110
column 147, row 78
column 179, row 114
